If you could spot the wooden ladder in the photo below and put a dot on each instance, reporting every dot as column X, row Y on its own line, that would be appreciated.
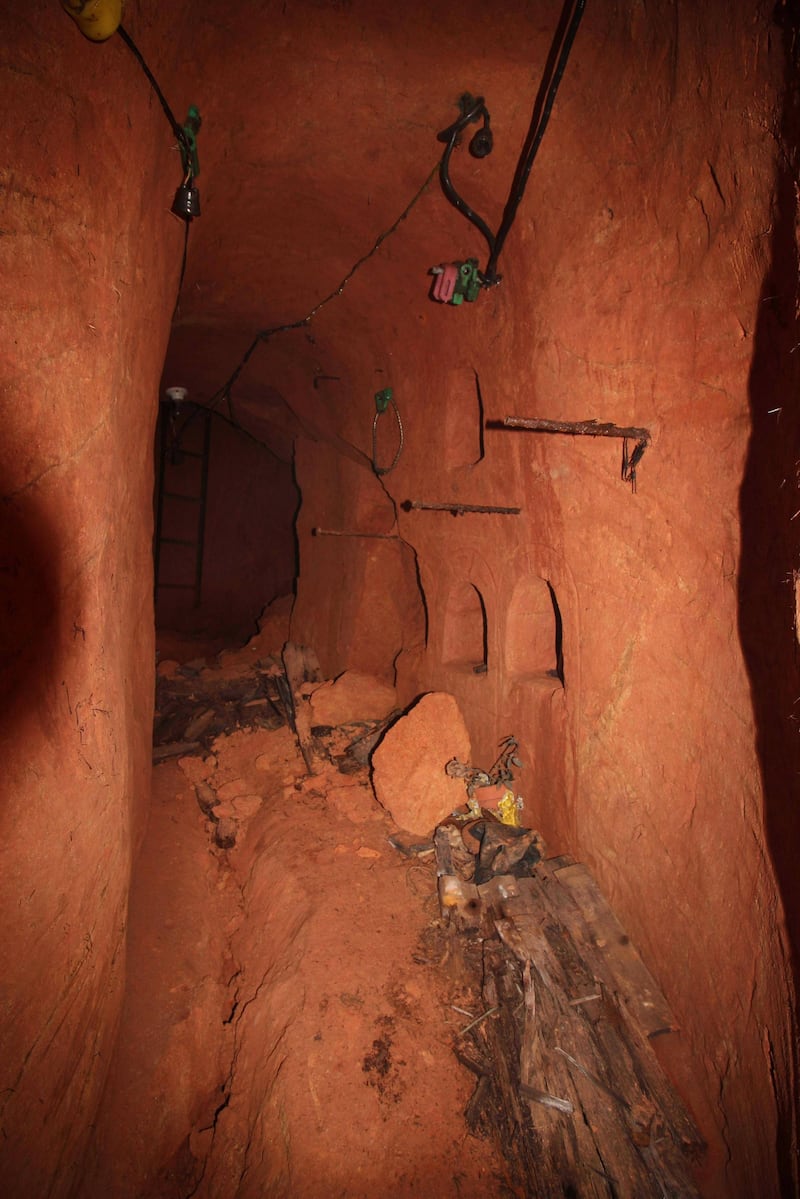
column 184, row 446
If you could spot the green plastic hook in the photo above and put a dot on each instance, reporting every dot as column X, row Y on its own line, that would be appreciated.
column 188, row 144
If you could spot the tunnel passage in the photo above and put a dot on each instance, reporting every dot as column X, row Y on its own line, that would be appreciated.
column 635, row 279
column 224, row 538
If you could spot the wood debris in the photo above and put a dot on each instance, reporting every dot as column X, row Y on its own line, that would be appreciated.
column 567, row 1080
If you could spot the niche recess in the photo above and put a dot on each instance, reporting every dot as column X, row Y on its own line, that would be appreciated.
column 463, row 444
column 465, row 640
column 534, row 632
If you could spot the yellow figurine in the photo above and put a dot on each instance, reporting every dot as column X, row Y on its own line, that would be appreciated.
column 508, row 809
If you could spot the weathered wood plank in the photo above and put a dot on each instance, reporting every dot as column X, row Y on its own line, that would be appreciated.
column 298, row 667
column 175, row 750
column 604, row 1102
column 613, row 1010
column 636, row 983
column 569, row 1081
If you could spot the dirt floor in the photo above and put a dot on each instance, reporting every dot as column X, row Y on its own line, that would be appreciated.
column 290, row 1013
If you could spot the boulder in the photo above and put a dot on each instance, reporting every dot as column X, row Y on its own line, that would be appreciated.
column 408, row 767
column 352, row 697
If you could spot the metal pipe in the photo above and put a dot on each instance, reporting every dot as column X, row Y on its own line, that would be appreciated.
column 347, row 533
column 460, row 509
column 585, row 428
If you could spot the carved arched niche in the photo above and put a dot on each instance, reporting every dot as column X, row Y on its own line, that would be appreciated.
column 463, row 419
column 534, row 635
column 465, row 631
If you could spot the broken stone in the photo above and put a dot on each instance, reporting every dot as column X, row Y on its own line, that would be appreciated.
column 408, row 775
column 233, row 789
column 352, row 697
column 206, row 799
column 246, row 805
column 195, row 769
column 225, row 833
column 224, row 811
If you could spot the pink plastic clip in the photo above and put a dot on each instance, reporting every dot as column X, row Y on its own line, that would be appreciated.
column 446, row 278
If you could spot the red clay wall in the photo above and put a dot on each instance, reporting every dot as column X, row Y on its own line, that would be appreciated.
column 90, row 258
column 650, row 278
column 634, row 288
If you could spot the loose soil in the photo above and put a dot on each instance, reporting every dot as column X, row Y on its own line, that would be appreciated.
column 290, row 1007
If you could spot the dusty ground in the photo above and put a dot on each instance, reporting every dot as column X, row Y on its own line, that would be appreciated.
column 289, row 1016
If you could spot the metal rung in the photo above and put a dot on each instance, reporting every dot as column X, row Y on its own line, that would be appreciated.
column 170, row 441
column 178, row 495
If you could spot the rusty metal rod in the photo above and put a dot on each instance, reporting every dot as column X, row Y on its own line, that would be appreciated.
column 459, row 509
column 585, row 428
column 346, row 533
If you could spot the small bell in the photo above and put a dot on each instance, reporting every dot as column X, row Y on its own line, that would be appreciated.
column 187, row 200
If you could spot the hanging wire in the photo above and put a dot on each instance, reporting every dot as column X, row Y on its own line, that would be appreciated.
column 565, row 36
column 180, row 134
column 183, row 268
column 265, row 334
column 472, row 110
column 223, row 393
column 384, row 470
column 134, row 49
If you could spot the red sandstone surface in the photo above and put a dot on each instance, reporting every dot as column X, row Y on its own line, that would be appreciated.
column 298, row 1040
column 650, row 279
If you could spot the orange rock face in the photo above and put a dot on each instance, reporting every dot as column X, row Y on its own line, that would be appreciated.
column 408, row 766
column 640, row 646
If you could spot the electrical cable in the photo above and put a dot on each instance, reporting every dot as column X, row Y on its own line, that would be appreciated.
column 223, row 393
column 265, row 334
column 384, row 470
column 539, row 122
column 134, row 49
column 183, row 268
column 178, row 130
column 473, row 109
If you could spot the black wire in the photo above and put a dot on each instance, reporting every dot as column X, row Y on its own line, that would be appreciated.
column 265, row 334
column 176, row 128
column 537, row 128
column 451, row 135
column 235, row 424
column 183, row 268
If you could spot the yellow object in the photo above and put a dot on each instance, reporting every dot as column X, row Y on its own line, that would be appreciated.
column 508, row 809
column 97, row 19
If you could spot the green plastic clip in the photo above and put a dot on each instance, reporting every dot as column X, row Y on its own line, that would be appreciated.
column 188, row 143
column 383, row 399
column 468, row 285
